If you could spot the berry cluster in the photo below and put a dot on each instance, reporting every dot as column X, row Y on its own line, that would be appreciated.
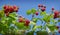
column 26, row 21
column 9, row 9
column 43, row 8
column 56, row 14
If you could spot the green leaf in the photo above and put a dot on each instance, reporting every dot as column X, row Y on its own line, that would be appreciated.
column 32, row 23
column 42, row 13
column 35, row 20
column 36, row 27
column 47, row 18
column 3, row 20
column 33, row 10
column 2, row 13
column 30, row 33
column 13, row 15
column 19, row 25
column 28, row 12
column 59, row 20
column 51, row 27
column 42, row 33
column 39, row 26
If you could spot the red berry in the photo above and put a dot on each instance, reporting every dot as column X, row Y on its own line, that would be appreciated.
column 14, row 6
column 59, row 14
column 16, row 10
column 43, row 9
column 52, row 8
column 39, row 5
column 59, row 31
column 57, row 27
column 21, row 19
column 27, row 22
column 11, row 9
column 55, row 16
column 6, row 10
column 56, row 13
column 44, row 6
column 36, row 13
column 5, row 6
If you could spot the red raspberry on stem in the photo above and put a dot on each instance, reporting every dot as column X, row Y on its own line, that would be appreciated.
column 15, row 8
column 39, row 5
column 27, row 22
column 6, row 10
column 36, row 13
column 5, row 6
column 52, row 9
column 21, row 19
column 43, row 9
column 59, row 31
column 56, row 14
column 11, row 9
column 59, row 15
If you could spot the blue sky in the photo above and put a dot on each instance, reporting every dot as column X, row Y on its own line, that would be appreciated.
column 24, row 5
column 29, row 4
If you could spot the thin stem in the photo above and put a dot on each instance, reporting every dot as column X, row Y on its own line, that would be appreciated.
column 32, row 17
